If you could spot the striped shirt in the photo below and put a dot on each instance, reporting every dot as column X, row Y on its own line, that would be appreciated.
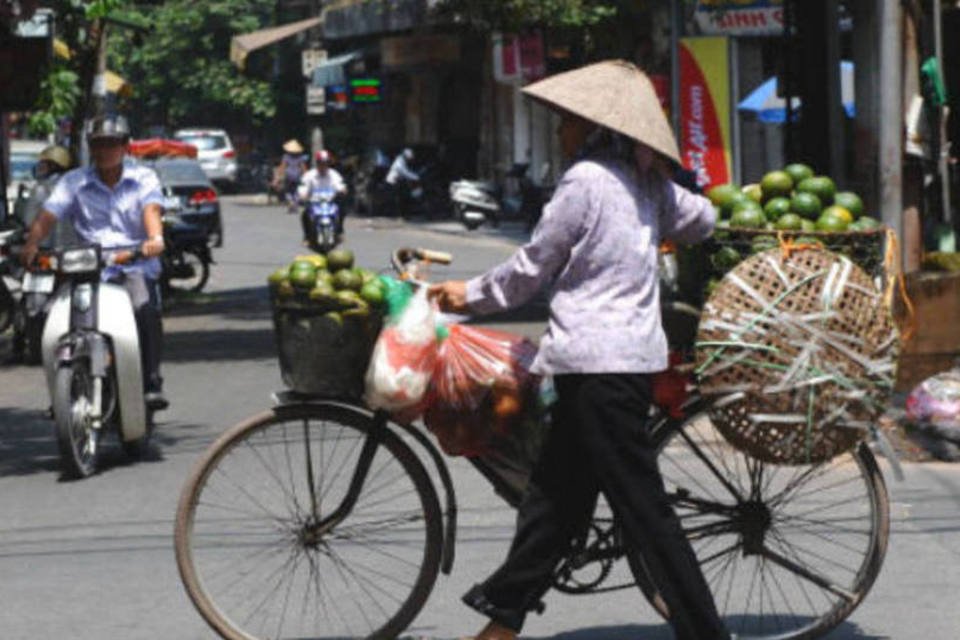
column 109, row 217
column 596, row 246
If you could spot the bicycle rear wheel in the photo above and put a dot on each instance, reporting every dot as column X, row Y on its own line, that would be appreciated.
column 254, row 555
column 788, row 551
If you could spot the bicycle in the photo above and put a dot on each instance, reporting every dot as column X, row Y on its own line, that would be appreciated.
column 318, row 518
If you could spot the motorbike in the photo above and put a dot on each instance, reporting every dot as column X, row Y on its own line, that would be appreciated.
column 476, row 202
column 186, row 258
column 36, row 291
column 323, row 211
column 91, row 360
column 8, row 276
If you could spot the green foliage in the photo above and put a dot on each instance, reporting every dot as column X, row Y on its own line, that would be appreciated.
column 58, row 98
column 512, row 14
column 181, row 71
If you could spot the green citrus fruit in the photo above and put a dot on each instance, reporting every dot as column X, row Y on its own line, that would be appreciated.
column 303, row 275
column 798, row 172
column 278, row 276
column 338, row 259
column 285, row 289
column 720, row 194
column 726, row 258
column 748, row 214
column 324, row 294
column 754, row 192
column 831, row 222
column 346, row 279
column 315, row 259
column 790, row 222
column 727, row 208
column 373, row 293
column 349, row 299
column 334, row 320
column 820, row 186
column 776, row 184
column 840, row 212
column 849, row 201
column 867, row 223
column 776, row 207
column 806, row 205
column 325, row 276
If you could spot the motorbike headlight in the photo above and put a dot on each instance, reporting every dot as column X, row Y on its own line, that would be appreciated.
column 79, row 260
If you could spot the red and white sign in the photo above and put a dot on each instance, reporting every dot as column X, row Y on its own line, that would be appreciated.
column 518, row 58
column 740, row 18
column 705, row 110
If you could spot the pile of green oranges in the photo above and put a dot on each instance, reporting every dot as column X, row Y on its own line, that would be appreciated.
column 330, row 284
column 791, row 199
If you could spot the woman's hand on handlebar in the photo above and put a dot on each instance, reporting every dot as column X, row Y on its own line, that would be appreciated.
column 451, row 296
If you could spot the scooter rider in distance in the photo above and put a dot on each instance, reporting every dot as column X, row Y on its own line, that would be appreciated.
column 114, row 204
column 399, row 178
column 323, row 176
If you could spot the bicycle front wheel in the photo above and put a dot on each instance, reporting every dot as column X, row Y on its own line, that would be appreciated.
column 788, row 551
column 257, row 557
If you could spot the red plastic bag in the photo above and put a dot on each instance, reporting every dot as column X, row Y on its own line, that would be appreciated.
column 481, row 387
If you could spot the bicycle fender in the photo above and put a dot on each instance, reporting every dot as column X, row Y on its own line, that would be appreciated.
column 116, row 319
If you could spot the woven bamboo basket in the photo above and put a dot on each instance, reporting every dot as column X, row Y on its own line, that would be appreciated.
column 800, row 352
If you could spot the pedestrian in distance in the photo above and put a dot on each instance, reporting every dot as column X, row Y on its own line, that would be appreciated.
column 116, row 204
column 401, row 181
column 293, row 164
column 596, row 247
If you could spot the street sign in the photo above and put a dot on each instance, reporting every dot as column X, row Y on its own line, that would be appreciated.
column 316, row 101
column 310, row 59
column 740, row 17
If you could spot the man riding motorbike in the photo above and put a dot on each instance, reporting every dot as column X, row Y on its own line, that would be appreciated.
column 323, row 176
column 401, row 179
column 53, row 162
column 115, row 204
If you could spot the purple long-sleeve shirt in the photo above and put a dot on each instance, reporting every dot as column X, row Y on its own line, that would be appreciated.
column 597, row 246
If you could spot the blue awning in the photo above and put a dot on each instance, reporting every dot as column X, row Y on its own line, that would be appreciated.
column 333, row 70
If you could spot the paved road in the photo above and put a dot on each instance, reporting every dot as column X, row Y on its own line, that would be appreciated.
column 94, row 559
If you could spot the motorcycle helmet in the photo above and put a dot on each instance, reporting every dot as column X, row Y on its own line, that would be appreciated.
column 55, row 154
column 108, row 127
column 323, row 156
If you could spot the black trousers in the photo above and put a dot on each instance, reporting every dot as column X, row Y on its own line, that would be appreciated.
column 145, row 295
column 599, row 442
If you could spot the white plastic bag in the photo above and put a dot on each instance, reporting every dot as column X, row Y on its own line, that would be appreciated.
column 403, row 358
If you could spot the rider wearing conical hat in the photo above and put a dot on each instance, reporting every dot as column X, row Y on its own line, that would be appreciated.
column 596, row 248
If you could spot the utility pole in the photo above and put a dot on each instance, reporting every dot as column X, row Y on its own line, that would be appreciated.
column 891, row 116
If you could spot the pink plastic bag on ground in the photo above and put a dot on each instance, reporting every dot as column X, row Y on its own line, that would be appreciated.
column 481, row 387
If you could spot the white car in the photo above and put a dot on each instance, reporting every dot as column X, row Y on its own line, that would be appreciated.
column 215, row 152
column 23, row 160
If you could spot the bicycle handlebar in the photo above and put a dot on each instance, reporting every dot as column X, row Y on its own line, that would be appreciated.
column 405, row 255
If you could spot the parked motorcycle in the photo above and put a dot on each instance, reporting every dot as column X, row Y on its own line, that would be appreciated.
column 36, row 291
column 8, row 276
column 186, row 257
column 475, row 202
column 91, row 359
column 323, row 212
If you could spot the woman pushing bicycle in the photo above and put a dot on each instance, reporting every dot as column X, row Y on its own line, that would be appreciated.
column 596, row 246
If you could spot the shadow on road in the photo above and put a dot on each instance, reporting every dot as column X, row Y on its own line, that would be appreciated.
column 246, row 303
column 27, row 442
column 844, row 631
column 219, row 345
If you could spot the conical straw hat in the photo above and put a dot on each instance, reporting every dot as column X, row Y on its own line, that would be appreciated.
column 614, row 94
column 292, row 146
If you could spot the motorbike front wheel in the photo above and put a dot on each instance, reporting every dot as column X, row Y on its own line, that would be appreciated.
column 77, row 439
column 186, row 272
